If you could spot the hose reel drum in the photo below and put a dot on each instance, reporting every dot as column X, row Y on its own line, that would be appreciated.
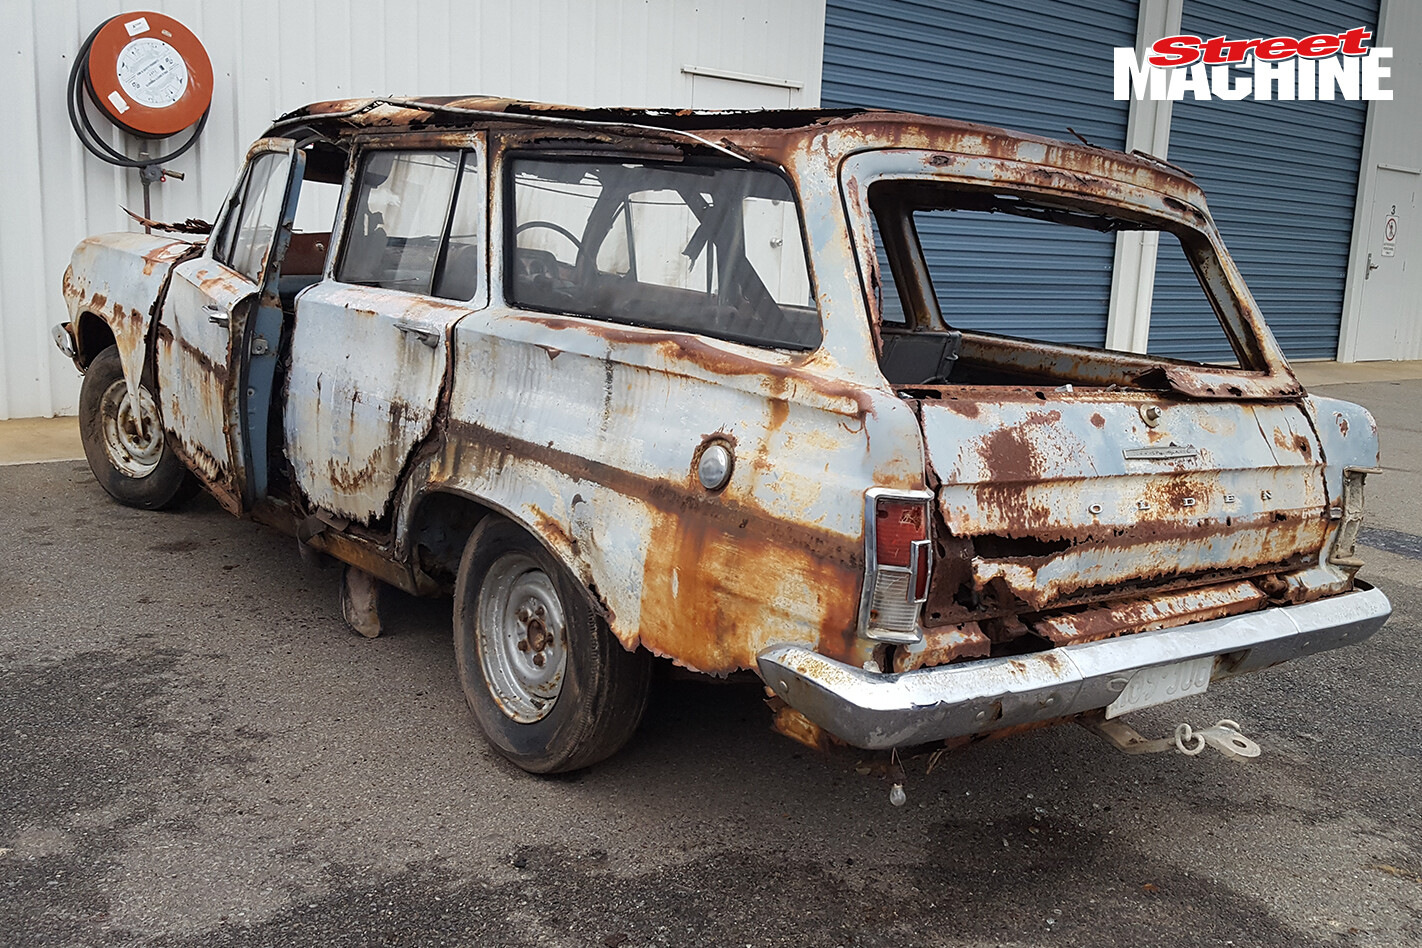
column 148, row 75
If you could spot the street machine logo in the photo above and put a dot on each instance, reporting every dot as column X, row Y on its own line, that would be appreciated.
column 1325, row 66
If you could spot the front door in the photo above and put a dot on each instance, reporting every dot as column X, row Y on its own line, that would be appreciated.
column 212, row 316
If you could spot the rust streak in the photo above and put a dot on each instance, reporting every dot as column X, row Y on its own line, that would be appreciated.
column 681, row 347
column 1123, row 616
column 713, row 563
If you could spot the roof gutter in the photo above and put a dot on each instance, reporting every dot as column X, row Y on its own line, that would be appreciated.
column 514, row 116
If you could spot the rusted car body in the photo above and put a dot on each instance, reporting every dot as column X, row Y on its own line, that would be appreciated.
column 919, row 532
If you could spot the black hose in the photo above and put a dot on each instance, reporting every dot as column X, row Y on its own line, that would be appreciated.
column 84, row 128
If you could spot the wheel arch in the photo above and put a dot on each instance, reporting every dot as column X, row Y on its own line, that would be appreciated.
column 92, row 335
column 94, row 332
column 441, row 520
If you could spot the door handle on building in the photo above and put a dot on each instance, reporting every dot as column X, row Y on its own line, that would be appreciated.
column 1371, row 266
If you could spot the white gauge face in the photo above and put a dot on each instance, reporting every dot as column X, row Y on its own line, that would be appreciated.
column 152, row 73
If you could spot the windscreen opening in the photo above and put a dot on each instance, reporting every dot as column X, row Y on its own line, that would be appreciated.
column 967, row 277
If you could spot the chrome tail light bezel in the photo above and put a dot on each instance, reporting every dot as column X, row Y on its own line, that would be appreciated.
column 876, row 575
column 1343, row 552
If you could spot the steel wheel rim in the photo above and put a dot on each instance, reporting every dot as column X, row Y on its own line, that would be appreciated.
column 133, row 436
column 521, row 632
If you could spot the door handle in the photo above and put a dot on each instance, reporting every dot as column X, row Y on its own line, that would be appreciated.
column 1371, row 266
column 428, row 336
column 216, row 315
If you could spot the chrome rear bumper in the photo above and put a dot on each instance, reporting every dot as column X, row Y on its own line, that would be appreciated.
column 930, row 704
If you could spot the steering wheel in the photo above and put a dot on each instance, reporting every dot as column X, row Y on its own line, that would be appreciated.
column 556, row 228
column 541, row 268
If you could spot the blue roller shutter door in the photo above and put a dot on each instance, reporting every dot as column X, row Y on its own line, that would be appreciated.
column 1031, row 67
column 1280, row 177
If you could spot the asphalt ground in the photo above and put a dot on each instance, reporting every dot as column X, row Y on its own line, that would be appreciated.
column 194, row 750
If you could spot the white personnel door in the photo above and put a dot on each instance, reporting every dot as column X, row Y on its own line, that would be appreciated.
column 1391, row 316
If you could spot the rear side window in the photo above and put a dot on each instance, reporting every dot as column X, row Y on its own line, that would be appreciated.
column 707, row 249
column 414, row 223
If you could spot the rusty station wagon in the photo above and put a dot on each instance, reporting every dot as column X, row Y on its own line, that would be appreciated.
column 634, row 383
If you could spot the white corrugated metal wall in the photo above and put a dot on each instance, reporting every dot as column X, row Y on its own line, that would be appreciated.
column 269, row 58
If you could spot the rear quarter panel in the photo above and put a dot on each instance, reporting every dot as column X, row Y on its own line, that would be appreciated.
column 1349, row 437
column 588, row 434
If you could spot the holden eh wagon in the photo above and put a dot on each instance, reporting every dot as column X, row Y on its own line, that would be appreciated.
column 772, row 392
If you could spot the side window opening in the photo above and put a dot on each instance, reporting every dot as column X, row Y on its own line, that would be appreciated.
column 700, row 248
column 317, row 203
column 250, row 225
column 415, row 223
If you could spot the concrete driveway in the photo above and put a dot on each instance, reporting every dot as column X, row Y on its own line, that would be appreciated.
column 194, row 750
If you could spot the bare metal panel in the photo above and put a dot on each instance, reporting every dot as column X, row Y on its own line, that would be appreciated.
column 366, row 370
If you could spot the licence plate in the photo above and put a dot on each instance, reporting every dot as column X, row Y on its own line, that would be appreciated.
column 1152, row 686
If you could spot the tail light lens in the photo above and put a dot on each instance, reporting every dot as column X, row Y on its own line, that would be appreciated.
column 897, row 523
column 899, row 564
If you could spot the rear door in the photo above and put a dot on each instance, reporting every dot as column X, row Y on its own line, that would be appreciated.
column 215, row 350
column 370, row 347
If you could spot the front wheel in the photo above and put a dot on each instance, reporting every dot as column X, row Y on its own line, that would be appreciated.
column 124, row 442
column 551, row 687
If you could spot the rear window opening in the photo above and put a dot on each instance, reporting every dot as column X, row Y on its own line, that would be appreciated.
column 999, row 288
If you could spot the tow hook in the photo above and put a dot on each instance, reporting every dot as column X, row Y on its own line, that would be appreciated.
column 1224, row 737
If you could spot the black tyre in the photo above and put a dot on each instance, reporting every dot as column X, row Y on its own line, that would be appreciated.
column 124, row 442
column 551, row 687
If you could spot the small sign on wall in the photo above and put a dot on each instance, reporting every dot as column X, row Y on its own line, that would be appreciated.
column 1389, row 247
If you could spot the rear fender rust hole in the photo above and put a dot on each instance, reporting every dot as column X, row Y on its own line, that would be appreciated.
column 992, row 546
column 1230, row 662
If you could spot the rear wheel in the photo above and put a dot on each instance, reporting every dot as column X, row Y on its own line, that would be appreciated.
column 551, row 687
column 124, row 441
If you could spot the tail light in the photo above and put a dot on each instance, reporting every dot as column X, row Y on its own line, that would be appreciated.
column 1344, row 552
column 899, row 561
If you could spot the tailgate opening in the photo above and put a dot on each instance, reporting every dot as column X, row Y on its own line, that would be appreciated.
column 1083, row 493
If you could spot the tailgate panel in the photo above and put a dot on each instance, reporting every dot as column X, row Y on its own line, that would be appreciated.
column 1067, row 492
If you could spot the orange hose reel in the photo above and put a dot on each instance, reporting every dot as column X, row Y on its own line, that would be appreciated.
column 149, row 74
